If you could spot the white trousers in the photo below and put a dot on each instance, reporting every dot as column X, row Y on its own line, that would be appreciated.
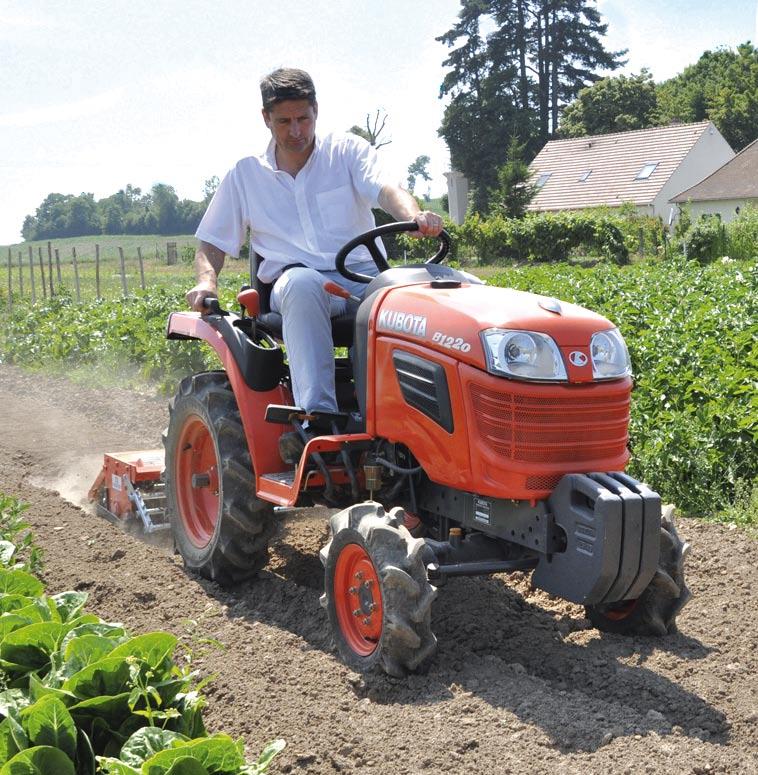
column 306, row 308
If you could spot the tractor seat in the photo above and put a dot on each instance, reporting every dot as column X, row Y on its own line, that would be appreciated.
column 343, row 326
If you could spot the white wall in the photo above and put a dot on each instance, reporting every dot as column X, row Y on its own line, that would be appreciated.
column 726, row 208
column 709, row 153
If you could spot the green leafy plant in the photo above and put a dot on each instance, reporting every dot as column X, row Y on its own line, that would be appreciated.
column 81, row 694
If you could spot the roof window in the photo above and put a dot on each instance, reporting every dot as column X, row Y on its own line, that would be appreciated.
column 542, row 179
column 584, row 176
column 647, row 170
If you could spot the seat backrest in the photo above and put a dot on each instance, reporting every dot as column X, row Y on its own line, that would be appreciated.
column 342, row 326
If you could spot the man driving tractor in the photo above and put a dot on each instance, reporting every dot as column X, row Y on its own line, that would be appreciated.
column 302, row 199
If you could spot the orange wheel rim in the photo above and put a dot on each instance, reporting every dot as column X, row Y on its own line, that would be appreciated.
column 358, row 600
column 620, row 611
column 197, row 481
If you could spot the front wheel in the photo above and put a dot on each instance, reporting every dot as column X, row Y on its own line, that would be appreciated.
column 654, row 612
column 377, row 594
column 221, row 529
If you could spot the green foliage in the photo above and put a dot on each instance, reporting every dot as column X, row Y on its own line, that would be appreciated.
column 127, row 211
column 706, row 240
column 542, row 238
column 742, row 235
column 692, row 333
column 418, row 169
column 615, row 104
column 513, row 192
column 516, row 79
column 103, row 333
column 86, row 694
column 721, row 86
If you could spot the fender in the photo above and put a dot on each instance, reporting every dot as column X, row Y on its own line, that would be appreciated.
column 254, row 373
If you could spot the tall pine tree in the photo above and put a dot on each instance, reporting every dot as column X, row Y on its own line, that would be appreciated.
column 515, row 79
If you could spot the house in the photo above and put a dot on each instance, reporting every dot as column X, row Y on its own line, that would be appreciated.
column 646, row 167
column 727, row 190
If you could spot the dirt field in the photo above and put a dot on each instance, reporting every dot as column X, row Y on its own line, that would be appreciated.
column 519, row 684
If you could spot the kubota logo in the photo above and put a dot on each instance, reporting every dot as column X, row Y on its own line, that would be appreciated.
column 578, row 358
column 403, row 322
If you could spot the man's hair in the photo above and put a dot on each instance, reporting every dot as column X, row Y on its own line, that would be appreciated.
column 287, row 83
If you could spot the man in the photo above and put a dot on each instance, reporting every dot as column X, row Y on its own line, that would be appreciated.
column 302, row 199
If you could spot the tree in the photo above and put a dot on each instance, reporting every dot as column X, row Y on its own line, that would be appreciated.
column 513, row 192
column 209, row 188
column 373, row 129
column 418, row 169
column 166, row 208
column 82, row 217
column 612, row 105
column 721, row 86
column 515, row 80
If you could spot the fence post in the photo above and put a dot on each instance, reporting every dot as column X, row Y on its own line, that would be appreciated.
column 31, row 274
column 10, row 281
column 58, row 267
column 42, row 271
column 141, row 268
column 170, row 253
column 20, row 276
column 50, row 267
column 123, row 272
column 76, row 274
column 97, row 271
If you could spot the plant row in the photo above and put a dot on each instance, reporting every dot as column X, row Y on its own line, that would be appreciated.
column 81, row 696
column 691, row 331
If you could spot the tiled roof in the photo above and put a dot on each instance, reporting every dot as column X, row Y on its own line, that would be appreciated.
column 615, row 160
column 737, row 179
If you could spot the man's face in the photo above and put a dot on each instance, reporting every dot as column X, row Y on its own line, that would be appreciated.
column 292, row 124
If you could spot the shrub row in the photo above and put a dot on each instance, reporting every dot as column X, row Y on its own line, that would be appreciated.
column 709, row 239
column 549, row 237
column 80, row 695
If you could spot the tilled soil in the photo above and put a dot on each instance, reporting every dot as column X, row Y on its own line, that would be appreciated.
column 520, row 682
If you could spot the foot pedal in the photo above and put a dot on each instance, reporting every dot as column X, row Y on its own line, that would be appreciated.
column 284, row 415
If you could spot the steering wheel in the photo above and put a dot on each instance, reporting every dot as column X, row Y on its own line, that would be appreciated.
column 367, row 240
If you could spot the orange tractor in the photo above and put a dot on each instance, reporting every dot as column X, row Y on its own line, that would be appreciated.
column 481, row 430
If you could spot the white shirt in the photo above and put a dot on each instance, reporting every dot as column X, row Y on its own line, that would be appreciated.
column 305, row 219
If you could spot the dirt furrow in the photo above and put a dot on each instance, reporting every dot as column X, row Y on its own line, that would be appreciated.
column 520, row 682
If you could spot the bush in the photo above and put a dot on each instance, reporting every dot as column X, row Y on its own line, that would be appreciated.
column 742, row 235
column 706, row 240
column 546, row 237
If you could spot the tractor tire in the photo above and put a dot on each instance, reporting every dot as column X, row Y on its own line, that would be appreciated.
column 219, row 526
column 377, row 594
column 654, row 612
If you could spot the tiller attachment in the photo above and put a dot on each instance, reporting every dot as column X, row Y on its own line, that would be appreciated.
column 129, row 491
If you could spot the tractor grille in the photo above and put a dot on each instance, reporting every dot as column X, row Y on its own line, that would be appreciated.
column 577, row 427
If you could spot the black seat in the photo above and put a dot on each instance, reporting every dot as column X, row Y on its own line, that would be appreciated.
column 343, row 326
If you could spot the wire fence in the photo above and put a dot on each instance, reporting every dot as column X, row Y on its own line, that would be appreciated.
column 44, row 273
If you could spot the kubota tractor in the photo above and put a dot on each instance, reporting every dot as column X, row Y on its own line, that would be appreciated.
column 481, row 430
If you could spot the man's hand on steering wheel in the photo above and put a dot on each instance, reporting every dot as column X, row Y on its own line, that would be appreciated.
column 429, row 224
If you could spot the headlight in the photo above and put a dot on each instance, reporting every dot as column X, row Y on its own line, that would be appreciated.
column 523, row 354
column 610, row 358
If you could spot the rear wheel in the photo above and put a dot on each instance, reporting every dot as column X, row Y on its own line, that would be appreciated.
column 654, row 612
column 220, row 528
column 377, row 594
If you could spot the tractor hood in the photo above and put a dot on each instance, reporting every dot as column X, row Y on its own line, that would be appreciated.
column 451, row 319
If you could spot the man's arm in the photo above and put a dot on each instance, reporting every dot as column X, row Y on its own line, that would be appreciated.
column 403, row 207
column 208, row 263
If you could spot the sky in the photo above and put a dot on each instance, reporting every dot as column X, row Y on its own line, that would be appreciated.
column 96, row 94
